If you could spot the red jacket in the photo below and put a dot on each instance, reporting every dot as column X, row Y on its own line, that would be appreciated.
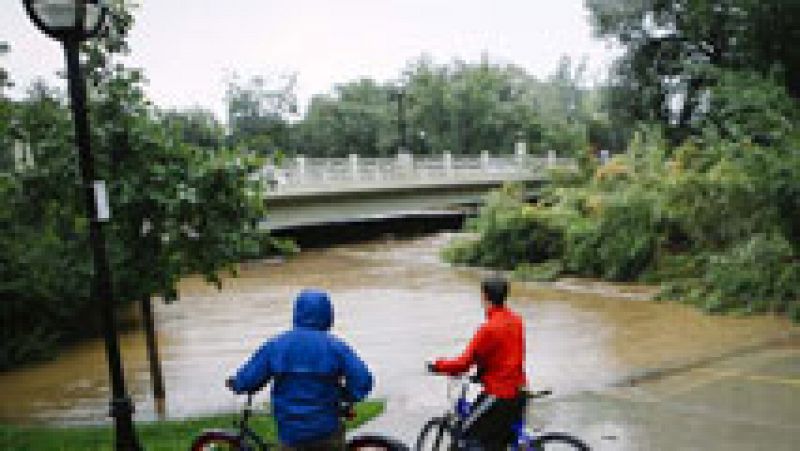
column 498, row 349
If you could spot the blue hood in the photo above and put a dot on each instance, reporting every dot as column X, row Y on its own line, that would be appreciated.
column 305, row 365
column 313, row 309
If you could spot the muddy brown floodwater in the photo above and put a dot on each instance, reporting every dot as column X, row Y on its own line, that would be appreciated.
column 398, row 304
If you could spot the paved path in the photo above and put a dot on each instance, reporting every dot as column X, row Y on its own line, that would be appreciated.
column 750, row 402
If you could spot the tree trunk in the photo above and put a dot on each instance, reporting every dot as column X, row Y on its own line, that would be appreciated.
column 156, row 377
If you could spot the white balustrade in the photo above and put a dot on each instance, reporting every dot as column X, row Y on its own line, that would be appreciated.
column 551, row 158
column 355, row 172
column 354, row 166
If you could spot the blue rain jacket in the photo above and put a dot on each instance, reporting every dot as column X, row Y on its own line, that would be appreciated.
column 305, row 365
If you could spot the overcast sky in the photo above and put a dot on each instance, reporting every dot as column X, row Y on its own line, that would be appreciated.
column 188, row 47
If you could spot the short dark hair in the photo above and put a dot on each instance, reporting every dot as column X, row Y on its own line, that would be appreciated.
column 496, row 288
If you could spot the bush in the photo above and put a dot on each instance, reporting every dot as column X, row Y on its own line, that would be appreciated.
column 715, row 220
column 759, row 275
column 510, row 232
column 727, row 201
column 620, row 243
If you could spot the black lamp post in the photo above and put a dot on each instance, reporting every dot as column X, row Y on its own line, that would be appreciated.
column 399, row 94
column 423, row 145
column 72, row 22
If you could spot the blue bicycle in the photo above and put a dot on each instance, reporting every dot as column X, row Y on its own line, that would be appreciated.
column 444, row 432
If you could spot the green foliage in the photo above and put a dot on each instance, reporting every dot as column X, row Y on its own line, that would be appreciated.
column 358, row 118
column 510, row 233
column 753, row 188
column 258, row 109
column 619, row 243
column 746, row 106
column 715, row 219
column 761, row 274
column 461, row 107
column 196, row 126
column 180, row 202
column 674, row 51
column 5, row 78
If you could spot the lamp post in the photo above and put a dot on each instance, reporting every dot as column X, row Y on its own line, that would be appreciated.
column 72, row 22
column 399, row 94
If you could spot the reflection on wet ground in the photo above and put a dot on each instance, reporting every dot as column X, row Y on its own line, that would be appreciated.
column 398, row 304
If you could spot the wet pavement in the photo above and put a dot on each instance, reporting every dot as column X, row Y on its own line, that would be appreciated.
column 398, row 304
column 747, row 402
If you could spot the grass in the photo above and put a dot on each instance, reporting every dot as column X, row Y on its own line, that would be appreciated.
column 154, row 436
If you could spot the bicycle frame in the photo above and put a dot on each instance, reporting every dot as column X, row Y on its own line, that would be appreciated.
column 463, row 407
column 245, row 433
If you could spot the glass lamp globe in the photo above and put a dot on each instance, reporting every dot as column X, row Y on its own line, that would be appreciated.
column 63, row 19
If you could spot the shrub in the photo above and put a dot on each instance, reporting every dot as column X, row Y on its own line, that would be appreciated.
column 620, row 243
column 758, row 275
column 509, row 232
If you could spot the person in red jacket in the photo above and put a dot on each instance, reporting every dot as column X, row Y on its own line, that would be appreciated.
column 498, row 352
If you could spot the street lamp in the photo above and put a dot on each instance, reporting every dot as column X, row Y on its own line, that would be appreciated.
column 399, row 94
column 72, row 22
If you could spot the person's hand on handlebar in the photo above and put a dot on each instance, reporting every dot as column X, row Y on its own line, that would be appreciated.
column 229, row 384
column 430, row 366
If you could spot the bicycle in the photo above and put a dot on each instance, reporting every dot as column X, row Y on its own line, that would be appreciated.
column 244, row 438
column 444, row 432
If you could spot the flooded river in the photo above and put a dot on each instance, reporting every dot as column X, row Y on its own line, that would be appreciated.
column 398, row 304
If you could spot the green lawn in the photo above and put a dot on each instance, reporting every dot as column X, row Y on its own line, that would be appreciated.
column 165, row 435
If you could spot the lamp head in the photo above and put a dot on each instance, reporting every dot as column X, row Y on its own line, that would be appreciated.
column 67, row 19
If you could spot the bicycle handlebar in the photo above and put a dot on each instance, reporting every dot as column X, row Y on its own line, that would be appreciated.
column 536, row 394
column 472, row 378
column 346, row 408
column 475, row 379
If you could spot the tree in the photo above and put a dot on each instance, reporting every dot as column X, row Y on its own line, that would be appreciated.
column 460, row 107
column 178, row 207
column 5, row 78
column 674, row 50
column 357, row 118
column 257, row 111
column 196, row 126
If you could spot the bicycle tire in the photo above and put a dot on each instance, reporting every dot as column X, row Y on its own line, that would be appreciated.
column 542, row 442
column 375, row 443
column 217, row 441
column 440, row 431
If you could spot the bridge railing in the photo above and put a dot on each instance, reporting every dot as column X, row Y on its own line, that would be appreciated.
column 302, row 173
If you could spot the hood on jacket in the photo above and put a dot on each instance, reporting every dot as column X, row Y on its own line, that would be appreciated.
column 313, row 309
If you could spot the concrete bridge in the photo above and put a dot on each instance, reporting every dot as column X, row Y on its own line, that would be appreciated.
column 314, row 191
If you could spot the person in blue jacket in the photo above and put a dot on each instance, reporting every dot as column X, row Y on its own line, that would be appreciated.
column 307, row 366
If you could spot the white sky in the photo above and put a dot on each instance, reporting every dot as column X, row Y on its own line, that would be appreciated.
column 188, row 47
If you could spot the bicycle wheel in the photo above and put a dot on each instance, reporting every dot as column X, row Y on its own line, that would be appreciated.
column 217, row 441
column 436, row 435
column 556, row 441
column 375, row 443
